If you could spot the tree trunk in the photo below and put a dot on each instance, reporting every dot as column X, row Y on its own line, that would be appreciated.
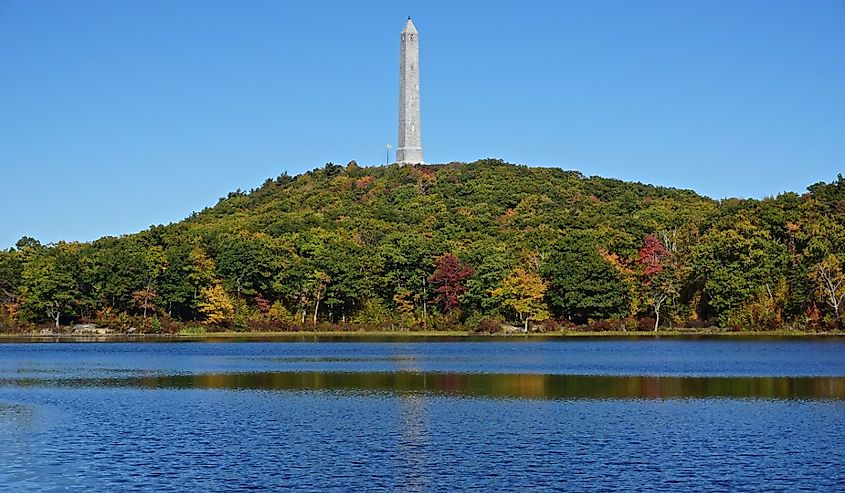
column 58, row 315
column 425, row 302
column 658, row 303
column 316, row 307
column 526, row 325
column 831, row 287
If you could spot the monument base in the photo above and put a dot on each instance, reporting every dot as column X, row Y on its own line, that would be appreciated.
column 409, row 155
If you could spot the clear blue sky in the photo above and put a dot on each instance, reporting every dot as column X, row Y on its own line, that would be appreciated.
column 116, row 114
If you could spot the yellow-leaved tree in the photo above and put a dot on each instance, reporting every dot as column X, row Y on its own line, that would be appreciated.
column 216, row 305
column 523, row 292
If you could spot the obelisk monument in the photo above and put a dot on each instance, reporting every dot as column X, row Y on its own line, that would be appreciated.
column 409, row 150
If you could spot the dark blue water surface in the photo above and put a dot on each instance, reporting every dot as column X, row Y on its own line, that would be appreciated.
column 424, row 416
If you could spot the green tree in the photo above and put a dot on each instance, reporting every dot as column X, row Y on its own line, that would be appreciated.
column 583, row 284
column 734, row 260
column 119, row 268
column 11, row 269
column 48, row 288
column 405, row 262
column 246, row 263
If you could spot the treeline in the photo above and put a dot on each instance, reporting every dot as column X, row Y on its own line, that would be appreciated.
column 451, row 245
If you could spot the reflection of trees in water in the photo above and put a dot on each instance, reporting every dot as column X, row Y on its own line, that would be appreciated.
column 16, row 416
column 485, row 384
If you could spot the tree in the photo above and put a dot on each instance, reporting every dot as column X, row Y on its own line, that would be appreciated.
column 733, row 261
column 176, row 290
column 583, row 285
column 144, row 299
column 658, row 274
column 246, row 262
column 120, row 269
column 652, row 255
column 27, row 242
column 350, row 272
column 320, row 282
column 659, row 288
column 406, row 266
column 216, row 305
column 523, row 292
column 155, row 262
column 312, row 290
column 449, row 278
column 830, row 283
column 48, row 287
column 492, row 261
column 11, row 268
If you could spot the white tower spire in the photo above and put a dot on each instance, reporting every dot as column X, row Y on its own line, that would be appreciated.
column 409, row 150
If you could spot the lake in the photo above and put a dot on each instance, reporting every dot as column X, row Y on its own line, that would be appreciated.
column 424, row 415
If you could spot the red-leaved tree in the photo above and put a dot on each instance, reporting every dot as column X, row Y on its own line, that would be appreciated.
column 448, row 279
column 659, row 282
column 652, row 255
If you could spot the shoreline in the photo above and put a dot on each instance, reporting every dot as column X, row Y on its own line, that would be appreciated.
column 387, row 336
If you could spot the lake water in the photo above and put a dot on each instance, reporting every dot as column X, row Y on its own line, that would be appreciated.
column 658, row 414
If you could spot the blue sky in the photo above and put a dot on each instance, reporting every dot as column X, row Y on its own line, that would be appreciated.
column 115, row 115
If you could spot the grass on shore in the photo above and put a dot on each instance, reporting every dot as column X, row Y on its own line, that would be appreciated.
column 199, row 334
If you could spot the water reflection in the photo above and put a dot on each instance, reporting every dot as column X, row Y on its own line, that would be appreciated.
column 16, row 416
column 524, row 386
column 413, row 443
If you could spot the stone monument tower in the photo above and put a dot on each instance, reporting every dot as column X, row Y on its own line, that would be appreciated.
column 409, row 150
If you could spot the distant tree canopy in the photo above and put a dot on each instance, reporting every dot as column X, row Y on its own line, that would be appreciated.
column 441, row 245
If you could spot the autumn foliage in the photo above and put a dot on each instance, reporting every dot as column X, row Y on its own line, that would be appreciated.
column 449, row 246
column 651, row 255
column 449, row 279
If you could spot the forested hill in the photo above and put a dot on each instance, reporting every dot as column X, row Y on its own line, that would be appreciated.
column 451, row 203
column 442, row 245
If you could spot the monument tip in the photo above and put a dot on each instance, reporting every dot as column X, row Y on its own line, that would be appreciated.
column 409, row 26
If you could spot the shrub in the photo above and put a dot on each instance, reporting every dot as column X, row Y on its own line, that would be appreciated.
column 279, row 315
column 600, row 326
column 113, row 319
column 8, row 318
column 625, row 324
column 646, row 323
column 487, row 325
column 192, row 330
column 550, row 325
column 155, row 325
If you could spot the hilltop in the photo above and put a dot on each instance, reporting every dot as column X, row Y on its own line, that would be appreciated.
column 450, row 203
column 442, row 245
